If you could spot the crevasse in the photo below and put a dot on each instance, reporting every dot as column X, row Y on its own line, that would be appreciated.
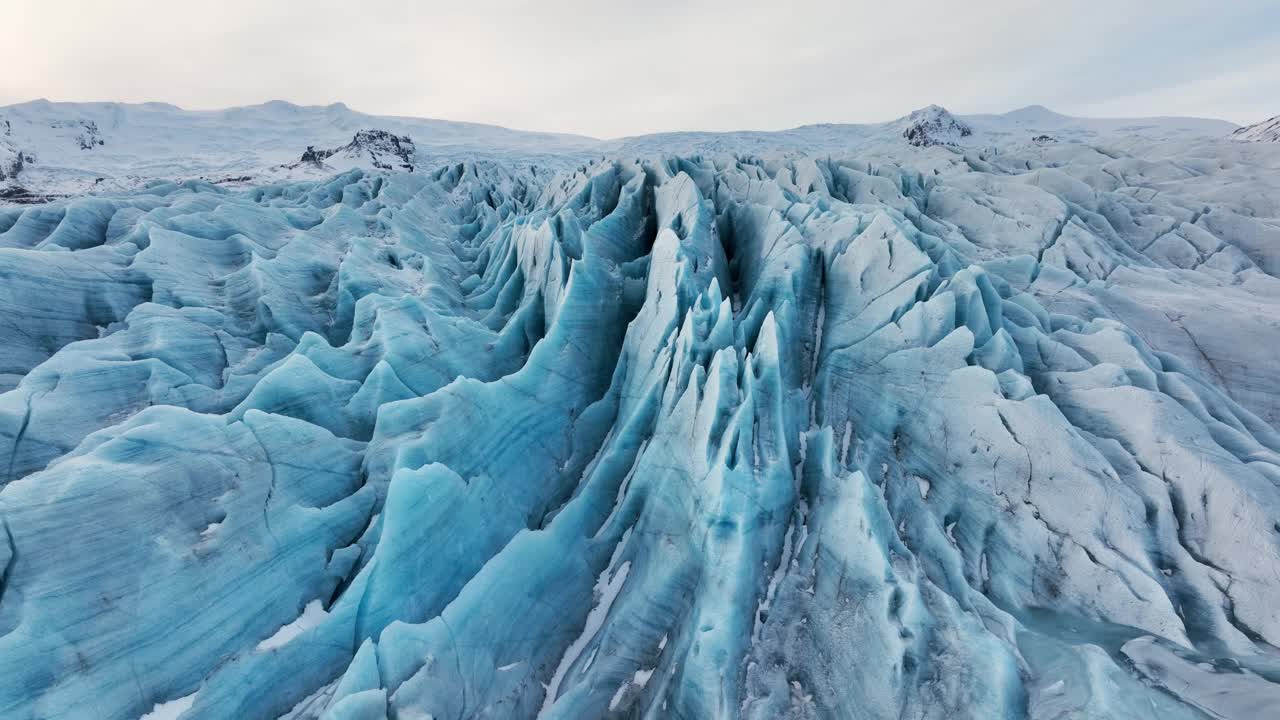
column 683, row 438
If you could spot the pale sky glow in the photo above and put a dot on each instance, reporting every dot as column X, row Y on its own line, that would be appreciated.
column 611, row 68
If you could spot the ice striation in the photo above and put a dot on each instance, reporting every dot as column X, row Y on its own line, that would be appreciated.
column 965, row 434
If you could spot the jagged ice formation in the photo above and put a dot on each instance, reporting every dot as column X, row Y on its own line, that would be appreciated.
column 656, row 438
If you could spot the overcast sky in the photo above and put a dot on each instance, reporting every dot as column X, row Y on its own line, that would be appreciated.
column 608, row 68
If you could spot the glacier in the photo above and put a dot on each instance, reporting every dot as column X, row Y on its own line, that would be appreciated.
column 908, row 432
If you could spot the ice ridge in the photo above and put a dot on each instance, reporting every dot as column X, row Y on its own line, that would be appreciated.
column 677, row 437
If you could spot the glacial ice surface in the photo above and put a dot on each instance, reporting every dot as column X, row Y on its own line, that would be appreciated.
column 960, row 434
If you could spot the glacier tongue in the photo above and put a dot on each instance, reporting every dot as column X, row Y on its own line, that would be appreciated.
column 982, row 434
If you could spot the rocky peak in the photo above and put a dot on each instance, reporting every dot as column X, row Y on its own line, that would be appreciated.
column 89, row 136
column 1265, row 131
column 934, row 125
column 384, row 150
column 12, row 160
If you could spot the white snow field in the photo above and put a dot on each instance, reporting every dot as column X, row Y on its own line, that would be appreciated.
column 306, row 413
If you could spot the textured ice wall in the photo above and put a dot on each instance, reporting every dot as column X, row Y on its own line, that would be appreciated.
column 677, row 438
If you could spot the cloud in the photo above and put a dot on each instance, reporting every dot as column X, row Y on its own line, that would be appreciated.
column 612, row 68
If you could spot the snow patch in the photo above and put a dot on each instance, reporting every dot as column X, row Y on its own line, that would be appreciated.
column 171, row 710
column 607, row 587
column 312, row 615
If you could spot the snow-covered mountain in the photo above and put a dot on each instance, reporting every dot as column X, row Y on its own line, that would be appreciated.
column 377, row 149
column 1037, row 120
column 74, row 148
column 77, row 148
column 933, row 126
column 947, row 417
column 1265, row 131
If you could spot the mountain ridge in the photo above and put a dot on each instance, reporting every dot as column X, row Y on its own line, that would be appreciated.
column 69, row 148
column 1266, row 131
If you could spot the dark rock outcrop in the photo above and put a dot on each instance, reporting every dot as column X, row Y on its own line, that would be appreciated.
column 385, row 150
column 934, row 125
column 1265, row 131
